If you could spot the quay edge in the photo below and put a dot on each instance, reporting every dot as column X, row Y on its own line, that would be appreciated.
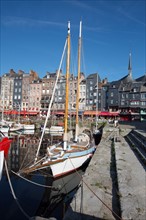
column 131, row 179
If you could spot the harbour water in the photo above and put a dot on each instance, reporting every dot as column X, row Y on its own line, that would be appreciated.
column 37, row 194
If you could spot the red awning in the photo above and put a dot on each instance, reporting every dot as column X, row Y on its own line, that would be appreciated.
column 23, row 112
column 114, row 113
column 109, row 113
column 33, row 113
column 11, row 112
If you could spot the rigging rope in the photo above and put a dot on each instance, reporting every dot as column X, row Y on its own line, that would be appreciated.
column 13, row 193
column 37, row 184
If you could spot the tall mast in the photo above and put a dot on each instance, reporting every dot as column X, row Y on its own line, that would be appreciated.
column 97, row 103
column 65, row 139
column 78, row 83
column 3, row 98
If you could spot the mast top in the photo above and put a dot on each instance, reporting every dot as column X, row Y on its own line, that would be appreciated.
column 68, row 30
column 80, row 29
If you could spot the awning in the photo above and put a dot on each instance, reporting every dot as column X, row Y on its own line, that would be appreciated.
column 57, row 113
column 91, row 113
column 11, row 112
column 72, row 113
column 114, row 113
column 33, row 113
column 23, row 112
column 104, row 113
column 109, row 113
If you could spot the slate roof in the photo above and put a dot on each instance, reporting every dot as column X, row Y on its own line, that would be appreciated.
column 141, row 78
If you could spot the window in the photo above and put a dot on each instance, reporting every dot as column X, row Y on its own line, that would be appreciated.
column 134, row 103
column 143, row 96
column 133, row 96
column 112, row 94
column 122, row 102
column 134, row 89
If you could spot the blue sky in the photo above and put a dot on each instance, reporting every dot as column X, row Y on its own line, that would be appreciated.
column 33, row 34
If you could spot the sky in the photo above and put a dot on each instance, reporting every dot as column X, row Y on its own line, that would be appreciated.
column 33, row 35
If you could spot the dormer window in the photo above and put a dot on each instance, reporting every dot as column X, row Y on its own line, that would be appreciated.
column 134, row 90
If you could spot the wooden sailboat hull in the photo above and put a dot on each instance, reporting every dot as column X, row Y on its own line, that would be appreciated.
column 65, row 164
column 72, row 162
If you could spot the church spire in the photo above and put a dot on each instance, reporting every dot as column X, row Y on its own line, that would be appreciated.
column 130, row 66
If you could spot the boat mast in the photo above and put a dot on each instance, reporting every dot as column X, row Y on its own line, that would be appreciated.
column 65, row 139
column 97, row 103
column 78, row 84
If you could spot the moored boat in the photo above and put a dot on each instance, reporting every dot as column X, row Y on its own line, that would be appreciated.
column 54, row 130
column 16, row 127
column 68, row 156
column 4, row 128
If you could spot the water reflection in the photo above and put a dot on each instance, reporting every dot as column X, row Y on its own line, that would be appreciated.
column 38, row 194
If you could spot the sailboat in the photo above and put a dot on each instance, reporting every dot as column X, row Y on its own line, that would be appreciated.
column 67, row 156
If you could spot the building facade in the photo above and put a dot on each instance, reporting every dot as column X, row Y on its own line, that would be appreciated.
column 27, row 92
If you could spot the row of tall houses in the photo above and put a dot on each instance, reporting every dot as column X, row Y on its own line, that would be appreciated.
column 26, row 92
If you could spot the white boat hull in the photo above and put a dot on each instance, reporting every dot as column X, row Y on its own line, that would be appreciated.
column 55, row 130
column 28, row 127
column 16, row 129
column 4, row 129
column 69, row 165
